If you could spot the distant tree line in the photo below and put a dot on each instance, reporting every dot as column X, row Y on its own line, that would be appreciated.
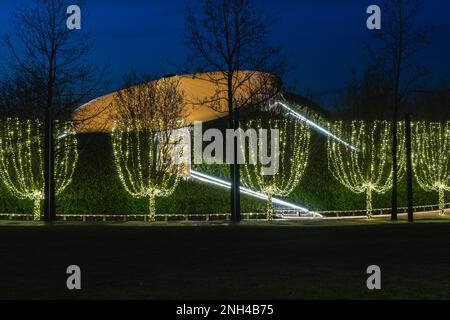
column 367, row 98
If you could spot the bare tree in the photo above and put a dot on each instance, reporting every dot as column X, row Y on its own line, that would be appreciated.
column 366, row 98
column 293, row 153
column 432, row 104
column 230, row 37
column 20, row 96
column 146, row 139
column 21, row 161
column 46, row 52
column 399, row 41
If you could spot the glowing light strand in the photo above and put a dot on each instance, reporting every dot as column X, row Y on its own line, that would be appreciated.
column 431, row 157
column 293, row 154
column 227, row 185
column 21, row 159
column 142, row 168
column 314, row 125
column 368, row 168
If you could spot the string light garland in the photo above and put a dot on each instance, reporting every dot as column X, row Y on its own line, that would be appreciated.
column 144, row 162
column 431, row 157
column 21, row 158
column 367, row 168
column 292, row 154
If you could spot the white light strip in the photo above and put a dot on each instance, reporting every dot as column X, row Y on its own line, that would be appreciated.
column 314, row 125
column 227, row 185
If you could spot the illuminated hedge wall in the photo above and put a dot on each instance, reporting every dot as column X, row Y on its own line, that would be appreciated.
column 96, row 189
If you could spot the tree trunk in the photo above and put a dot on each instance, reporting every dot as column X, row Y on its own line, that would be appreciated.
column 234, row 167
column 369, row 209
column 49, row 169
column 269, row 207
column 37, row 209
column 152, row 208
column 398, row 70
column 394, row 164
column 237, row 171
column 49, row 154
column 409, row 169
column 441, row 201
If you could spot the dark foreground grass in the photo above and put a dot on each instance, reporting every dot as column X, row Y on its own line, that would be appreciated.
column 304, row 261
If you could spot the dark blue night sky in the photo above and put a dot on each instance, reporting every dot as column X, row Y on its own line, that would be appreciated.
column 323, row 39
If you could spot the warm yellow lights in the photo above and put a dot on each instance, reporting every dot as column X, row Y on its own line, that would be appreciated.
column 292, row 154
column 144, row 163
column 368, row 168
column 21, row 158
column 431, row 157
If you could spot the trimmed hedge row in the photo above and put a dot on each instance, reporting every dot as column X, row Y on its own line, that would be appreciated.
column 96, row 189
column 320, row 191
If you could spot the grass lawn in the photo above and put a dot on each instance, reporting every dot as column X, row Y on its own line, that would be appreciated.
column 295, row 260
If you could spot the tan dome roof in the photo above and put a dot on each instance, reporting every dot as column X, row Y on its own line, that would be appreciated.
column 98, row 114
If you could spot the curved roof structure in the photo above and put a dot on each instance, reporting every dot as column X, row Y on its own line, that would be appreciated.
column 98, row 114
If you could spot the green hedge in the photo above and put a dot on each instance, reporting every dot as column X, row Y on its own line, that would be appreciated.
column 96, row 189
column 319, row 190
